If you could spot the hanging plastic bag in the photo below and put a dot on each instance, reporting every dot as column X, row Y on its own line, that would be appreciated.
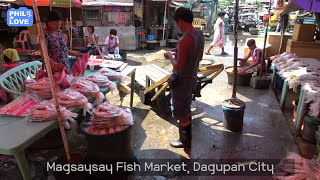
column 220, row 43
column 80, row 66
column 62, row 78
column 41, row 73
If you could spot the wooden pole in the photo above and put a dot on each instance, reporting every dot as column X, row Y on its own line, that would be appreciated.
column 235, row 52
column 265, row 41
column 52, row 85
column 164, row 20
column 70, row 26
column 97, row 46
column 283, row 29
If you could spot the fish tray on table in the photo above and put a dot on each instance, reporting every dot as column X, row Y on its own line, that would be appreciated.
column 106, row 147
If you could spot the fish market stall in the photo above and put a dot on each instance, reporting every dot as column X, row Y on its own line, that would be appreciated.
column 112, row 14
column 304, row 73
column 32, row 114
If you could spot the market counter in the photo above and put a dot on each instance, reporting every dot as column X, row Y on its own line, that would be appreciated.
column 304, row 49
column 18, row 133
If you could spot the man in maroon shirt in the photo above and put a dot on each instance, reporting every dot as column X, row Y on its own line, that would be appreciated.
column 183, row 80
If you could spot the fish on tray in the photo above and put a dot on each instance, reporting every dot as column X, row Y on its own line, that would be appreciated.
column 70, row 98
column 102, row 81
column 108, row 119
column 88, row 89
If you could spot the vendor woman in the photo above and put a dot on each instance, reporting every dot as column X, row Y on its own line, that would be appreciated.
column 57, row 47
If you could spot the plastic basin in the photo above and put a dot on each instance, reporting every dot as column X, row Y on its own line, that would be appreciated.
column 150, row 37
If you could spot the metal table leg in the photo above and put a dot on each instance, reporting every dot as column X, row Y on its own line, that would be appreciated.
column 133, row 78
column 23, row 165
column 273, row 83
column 284, row 94
column 301, row 110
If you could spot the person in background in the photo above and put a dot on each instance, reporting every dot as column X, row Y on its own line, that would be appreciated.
column 57, row 47
column 279, row 20
column 218, row 34
column 257, row 56
column 183, row 80
column 111, row 45
column 90, row 47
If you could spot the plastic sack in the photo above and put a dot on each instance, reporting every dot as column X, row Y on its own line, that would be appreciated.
column 41, row 74
column 102, row 81
column 42, row 88
column 70, row 98
column 20, row 106
column 295, row 167
column 108, row 118
column 89, row 89
column 46, row 111
column 112, row 75
column 220, row 43
column 28, row 81
column 62, row 78
column 80, row 66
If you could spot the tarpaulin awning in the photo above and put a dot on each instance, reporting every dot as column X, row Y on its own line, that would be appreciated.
column 309, row 5
column 291, row 7
column 108, row 3
column 55, row 3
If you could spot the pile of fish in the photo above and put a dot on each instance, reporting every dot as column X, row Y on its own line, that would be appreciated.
column 88, row 89
column 70, row 99
column 112, row 75
column 113, row 57
column 312, row 96
column 295, row 70
column 46, row 111
column 42, row 88
column 35, row 53
column 102, row 81
column 304, row 72
column 294, row 167
column 108, row 119
column 240, row 70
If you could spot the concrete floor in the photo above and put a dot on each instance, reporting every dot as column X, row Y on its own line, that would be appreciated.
column 265, row 134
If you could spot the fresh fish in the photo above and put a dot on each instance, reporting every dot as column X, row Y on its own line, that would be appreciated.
column 89, row 89
column 70, row 98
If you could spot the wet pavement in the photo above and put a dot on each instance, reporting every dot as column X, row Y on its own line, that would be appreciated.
column 265, row 134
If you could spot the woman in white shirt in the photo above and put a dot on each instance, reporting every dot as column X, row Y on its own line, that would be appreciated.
column 111, row 45
column 218, row 34
column 90, row 47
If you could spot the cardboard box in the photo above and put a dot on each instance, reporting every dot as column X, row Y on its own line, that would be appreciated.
column 304, row 49
column 274, row 38
column 304, row 32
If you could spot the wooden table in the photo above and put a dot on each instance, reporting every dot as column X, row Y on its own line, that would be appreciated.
column 17, row 133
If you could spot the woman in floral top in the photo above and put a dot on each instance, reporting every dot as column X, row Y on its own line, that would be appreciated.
column 57, row 47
